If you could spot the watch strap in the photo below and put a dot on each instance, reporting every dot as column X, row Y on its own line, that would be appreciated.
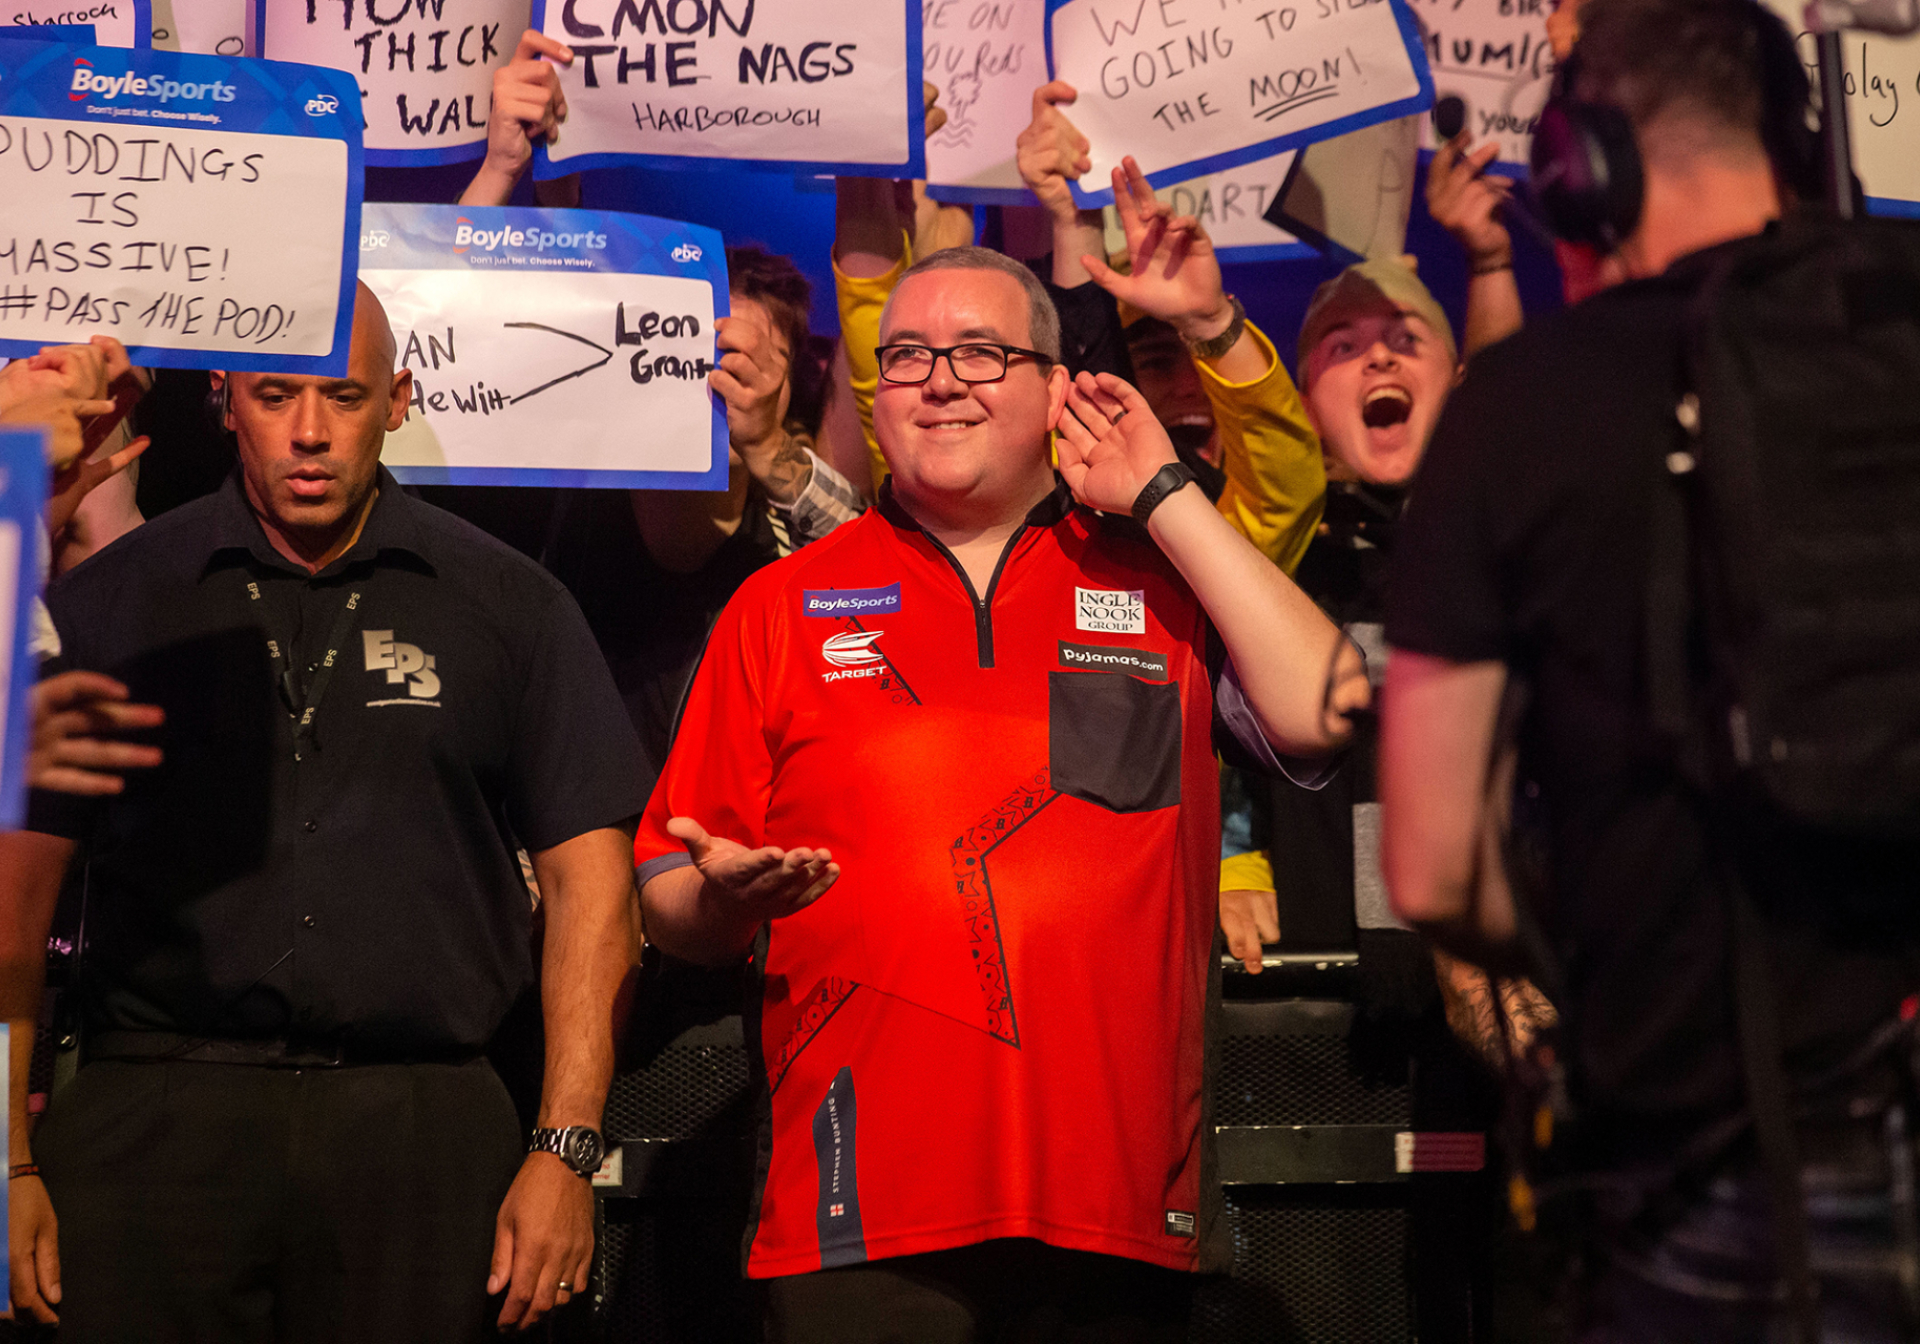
column 1215, row 346
column 555, row 1141
column 1165, row 481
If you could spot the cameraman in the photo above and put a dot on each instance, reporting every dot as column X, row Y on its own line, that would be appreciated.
column 1526, row 560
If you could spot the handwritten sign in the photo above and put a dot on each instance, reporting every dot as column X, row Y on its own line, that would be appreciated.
column 23, row 492
column 1883, row 108
column 1192, row 86
column 1231, row 205
column 1494, row 56
column 200, row 209
column 425, row 66
column 552, row 347
column 788, row 85
column 986, row 57
column 212, row 27
column 116, row 23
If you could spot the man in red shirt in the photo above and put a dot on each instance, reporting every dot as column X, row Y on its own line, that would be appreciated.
column 984, row 718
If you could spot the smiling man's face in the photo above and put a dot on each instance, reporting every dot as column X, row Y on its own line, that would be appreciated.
column 947, row 439
column 1375, row 385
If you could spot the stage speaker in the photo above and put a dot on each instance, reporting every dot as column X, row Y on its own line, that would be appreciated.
column 1356, row 1212
column 672, row 1200
column 1355, row 1206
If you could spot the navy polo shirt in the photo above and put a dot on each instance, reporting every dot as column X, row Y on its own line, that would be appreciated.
column 355, row 885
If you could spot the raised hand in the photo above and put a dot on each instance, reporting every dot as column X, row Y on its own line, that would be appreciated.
column 751, row 378
column 527, row 106
column 1051, row 153
column 1109, row 442
column 75, row 715
column 1175, row 275
column 79, row 478
column 936, row 115
column 759, row 884
column 68, row 422
column 1466, row 202
column 79, row 392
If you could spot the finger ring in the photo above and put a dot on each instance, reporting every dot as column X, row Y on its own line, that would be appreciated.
column 563, row 1286
column 1118, row 418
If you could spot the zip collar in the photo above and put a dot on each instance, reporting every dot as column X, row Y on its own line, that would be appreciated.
column 1056, row 505
column 1053, row 506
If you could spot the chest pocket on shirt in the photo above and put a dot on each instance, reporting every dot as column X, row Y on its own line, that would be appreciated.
column 1114, row 740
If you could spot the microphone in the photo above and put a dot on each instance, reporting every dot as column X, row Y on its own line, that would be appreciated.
column 1449, row 116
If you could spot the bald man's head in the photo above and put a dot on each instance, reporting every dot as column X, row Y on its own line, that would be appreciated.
column 371, row 327
column 310, row 444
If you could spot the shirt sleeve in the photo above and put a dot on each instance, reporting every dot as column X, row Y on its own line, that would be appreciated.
column 1445, row 597
column 720, row 769
column 861, row 299
column 575, row 761
column 1276, row 478
column 828, row 501
column 1251, row 871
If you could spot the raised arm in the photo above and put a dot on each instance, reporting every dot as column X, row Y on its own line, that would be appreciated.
column 1051, row 153
column 1276, row 478
column 1301, row 677
column 528, row 105
column 1466, row 201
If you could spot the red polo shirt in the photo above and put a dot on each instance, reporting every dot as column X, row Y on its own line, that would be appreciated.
column 991, row 1025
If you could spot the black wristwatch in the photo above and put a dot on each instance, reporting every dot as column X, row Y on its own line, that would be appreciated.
column 579, row 1146
column 1165, row 481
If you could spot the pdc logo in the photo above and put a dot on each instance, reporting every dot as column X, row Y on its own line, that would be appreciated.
column 86, row 82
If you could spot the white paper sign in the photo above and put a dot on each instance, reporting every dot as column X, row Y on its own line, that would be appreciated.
column 549, row 348
column 1494, row 56
column 198, row 208
column 1230, row 204
column 116, row 23
column 986, row 57
column 1883, row 108
column 782, row 84
column 215, row 27
column 425, row 66
column 1192, row 86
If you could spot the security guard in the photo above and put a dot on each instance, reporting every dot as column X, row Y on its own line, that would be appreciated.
column 303, row 929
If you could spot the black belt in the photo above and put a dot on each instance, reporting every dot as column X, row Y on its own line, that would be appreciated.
column 156, row 1047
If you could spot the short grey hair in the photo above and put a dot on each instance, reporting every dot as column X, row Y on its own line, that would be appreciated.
column 1043, row 319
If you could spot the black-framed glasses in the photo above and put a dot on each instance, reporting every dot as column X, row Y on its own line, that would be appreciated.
column 974, row 362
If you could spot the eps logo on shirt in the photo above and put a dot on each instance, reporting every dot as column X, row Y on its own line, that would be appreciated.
column 1115, row 611
column 403, row 663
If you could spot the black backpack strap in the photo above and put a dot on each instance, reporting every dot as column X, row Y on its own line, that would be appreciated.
column 1762, row 1060
column 1669, row 600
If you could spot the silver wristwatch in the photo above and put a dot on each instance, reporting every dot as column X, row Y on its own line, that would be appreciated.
column 579, row 1146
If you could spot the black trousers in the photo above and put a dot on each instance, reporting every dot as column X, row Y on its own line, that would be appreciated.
column 1009, row 1291
column 216, row 1202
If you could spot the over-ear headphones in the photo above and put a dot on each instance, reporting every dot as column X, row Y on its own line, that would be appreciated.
column 1586, row 176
